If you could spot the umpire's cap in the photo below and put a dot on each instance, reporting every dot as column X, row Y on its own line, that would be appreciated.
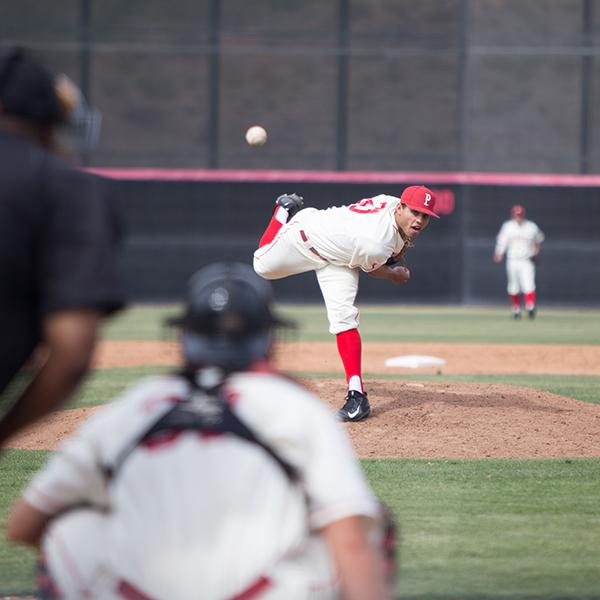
column 228, row 320
column 28, row 90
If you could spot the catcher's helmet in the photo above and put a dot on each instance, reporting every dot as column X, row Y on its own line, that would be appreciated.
column 228, row 321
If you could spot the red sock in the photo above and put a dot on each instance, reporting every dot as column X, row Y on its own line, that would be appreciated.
column 350, row 350
column 278, row 220
column 515, row 302
column 530, row 300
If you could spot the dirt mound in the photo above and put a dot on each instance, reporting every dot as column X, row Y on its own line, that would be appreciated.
column 468, row 420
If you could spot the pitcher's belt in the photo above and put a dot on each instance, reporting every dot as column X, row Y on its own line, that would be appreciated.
column 311, row 248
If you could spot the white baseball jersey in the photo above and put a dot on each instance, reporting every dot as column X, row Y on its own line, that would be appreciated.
column 361, row 235
column 518, row 241
column 335, row 243
column 196, row 515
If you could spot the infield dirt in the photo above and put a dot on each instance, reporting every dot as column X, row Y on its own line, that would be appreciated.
column 415, row 419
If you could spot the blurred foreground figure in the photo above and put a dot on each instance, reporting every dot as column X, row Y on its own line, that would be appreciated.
column 520, row 241
column 223, row 481
column 58, row 243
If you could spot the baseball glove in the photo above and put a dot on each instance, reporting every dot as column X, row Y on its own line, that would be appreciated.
column 400, row 258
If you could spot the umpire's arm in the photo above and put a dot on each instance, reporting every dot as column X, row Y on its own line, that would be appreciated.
column 69, row 338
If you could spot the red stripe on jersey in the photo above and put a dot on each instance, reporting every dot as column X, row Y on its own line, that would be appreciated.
column 130, row 592
column 160, row 440
column 208, row 435
column 231, row 396
column 260, row 585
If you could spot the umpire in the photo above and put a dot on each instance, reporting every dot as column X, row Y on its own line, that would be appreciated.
column 58, row 244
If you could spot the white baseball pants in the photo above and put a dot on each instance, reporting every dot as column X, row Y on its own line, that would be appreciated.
column 520, row 273
column 77, row 550
column 291, row 252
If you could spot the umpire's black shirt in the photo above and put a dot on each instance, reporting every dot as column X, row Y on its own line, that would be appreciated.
column 58, row 246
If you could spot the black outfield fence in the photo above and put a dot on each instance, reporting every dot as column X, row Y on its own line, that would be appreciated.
column 385, row 85
column 178, row 221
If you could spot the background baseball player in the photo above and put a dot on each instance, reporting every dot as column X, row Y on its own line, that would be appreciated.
column 371, row 235
column 59, row 236
column 520, row 241
column 224, row 481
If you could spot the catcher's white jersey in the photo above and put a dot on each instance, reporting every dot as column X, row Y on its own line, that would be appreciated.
column 518, row 241
column 196, row 516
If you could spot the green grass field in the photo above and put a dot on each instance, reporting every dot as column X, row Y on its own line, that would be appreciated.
column 407, row 324
column 484, row 529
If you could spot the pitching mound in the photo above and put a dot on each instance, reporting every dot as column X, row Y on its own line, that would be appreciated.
column 469, row 420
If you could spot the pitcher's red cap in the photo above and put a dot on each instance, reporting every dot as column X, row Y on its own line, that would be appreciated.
column 419, row 198
column 517, row 211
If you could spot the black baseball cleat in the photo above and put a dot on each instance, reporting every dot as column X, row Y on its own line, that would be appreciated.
column 531, row 312
column 356, row 407
column 291, row 202
column 516, row 316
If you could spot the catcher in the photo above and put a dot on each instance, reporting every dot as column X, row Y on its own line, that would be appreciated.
column 223, row 481
column 371, row 235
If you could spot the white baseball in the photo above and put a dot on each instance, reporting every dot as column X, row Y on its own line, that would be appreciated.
column 256, row 135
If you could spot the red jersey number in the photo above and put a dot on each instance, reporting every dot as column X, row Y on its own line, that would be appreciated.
column 367, row 205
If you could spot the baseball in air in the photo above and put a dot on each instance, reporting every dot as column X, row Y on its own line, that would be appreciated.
column 256, row 136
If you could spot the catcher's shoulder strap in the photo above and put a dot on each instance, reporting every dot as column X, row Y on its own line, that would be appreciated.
column 208, row 414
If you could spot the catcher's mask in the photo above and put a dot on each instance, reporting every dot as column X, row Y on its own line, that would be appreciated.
column 228, row 321
column 30, row 92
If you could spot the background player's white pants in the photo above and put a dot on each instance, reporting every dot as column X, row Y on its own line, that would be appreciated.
column 76, row 545
column 521, row 276
column 288, row 254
